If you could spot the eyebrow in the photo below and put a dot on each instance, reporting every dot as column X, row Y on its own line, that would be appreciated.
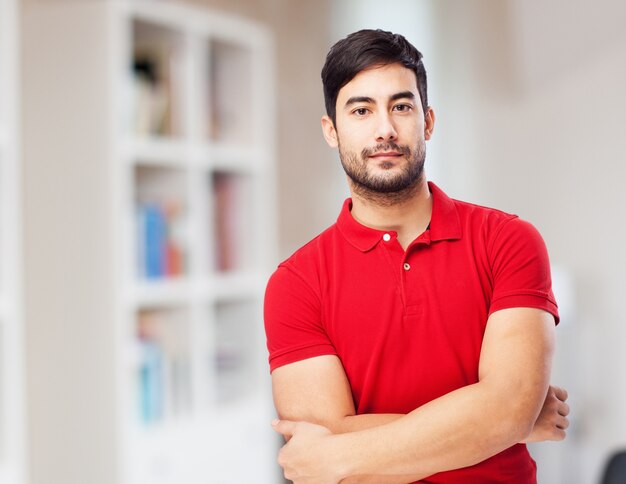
column 403, row 95
column 369, row 100
column 359, row 99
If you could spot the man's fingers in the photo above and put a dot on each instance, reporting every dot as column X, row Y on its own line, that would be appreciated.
column 284, row 427
column 560, row 393
column 562, row 423
column 563, row 409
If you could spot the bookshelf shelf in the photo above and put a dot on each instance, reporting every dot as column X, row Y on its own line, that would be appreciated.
column 233, row 158
column 166, row 292
column 228, row 286
column 156, row 151
column 183, row 99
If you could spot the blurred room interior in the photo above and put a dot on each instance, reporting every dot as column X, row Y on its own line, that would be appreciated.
column 530, row 105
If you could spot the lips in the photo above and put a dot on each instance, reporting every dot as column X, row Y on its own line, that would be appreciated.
column 389, row 154
column 386, row 155
column 388, row 150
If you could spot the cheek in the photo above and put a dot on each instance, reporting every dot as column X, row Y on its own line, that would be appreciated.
column 347, row 142
column 357, row 136
column 413, row 128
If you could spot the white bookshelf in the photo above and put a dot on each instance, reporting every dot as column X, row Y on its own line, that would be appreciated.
column 172, row 133
column 12, row 429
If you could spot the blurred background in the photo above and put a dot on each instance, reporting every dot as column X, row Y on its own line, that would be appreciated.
column 158, row 159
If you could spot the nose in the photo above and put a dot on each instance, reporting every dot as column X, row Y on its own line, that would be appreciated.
column 385, row 129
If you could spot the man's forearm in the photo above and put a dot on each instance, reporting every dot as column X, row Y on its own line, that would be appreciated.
column 457, row 430
column 378, row 479
column 354, row 423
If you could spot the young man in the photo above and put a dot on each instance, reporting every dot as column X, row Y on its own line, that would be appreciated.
column 413, row 339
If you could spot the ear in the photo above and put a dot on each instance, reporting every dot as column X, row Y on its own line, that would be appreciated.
column 329, row 131
column 429, row 123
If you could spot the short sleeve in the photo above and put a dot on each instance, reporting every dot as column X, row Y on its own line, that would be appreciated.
column 521, row 269
column 293, row 323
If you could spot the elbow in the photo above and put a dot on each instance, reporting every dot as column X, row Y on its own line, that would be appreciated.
column 515, row 421
column 506, row 432
column 520, row 429
column 339, row 425
column 519, row 422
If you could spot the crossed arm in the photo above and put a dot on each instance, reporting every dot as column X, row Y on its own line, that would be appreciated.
column 329, row 443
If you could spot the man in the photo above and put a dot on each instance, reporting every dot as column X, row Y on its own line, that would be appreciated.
column 412, row 340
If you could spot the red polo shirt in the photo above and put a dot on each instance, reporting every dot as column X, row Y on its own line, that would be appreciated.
column 408, row 325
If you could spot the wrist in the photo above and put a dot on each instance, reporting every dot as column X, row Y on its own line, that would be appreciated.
column 342, row 456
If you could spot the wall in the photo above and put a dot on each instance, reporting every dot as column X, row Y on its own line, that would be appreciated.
column 68, row 265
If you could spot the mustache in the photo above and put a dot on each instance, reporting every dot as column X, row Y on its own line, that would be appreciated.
column 387, row 146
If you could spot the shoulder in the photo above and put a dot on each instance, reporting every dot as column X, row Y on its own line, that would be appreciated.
column 306, row 263
column 514, row 248
column 474, row 213
column 310, row 253
column 493, row 224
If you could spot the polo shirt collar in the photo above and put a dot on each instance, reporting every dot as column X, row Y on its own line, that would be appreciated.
column 444, row 222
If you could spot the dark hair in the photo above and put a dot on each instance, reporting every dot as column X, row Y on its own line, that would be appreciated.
column 362, row 50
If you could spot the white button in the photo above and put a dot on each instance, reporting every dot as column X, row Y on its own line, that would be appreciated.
column 386, row 237
column 406, row 266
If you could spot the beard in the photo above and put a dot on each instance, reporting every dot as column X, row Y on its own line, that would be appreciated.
column 391, row 187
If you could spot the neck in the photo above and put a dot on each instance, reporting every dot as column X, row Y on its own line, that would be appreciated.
column 408, row 216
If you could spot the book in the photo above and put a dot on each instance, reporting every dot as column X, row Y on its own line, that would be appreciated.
column 154, row 240
column 160, row 240
column 233, row 221
column 164, row 369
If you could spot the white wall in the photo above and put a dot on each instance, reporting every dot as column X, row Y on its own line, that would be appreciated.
column 68, row 268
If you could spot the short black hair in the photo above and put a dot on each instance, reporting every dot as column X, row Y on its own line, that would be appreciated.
column 365, row 49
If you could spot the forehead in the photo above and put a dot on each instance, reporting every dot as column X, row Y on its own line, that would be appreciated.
column 379, row 82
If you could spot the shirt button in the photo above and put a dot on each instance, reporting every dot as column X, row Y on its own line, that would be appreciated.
column 406, row 266
column 386, row 237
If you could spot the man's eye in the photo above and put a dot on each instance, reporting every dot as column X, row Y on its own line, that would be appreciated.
column 402, row 107
column 360, row 111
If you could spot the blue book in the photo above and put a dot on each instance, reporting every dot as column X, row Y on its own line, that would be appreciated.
column 155, row 241
column 151, row 381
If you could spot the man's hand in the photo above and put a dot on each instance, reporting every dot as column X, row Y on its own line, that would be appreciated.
column 552, row 421
column 306, row 458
